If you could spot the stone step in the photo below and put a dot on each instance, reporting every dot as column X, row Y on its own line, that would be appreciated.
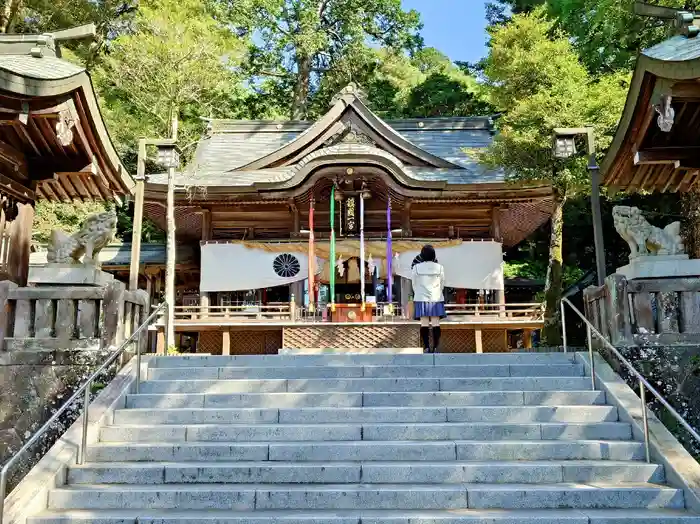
column 510, row 414
column 349, row 432
column 336, row 372
column 318, row 451
column 255, row 402
column 202, row 393
column 461, row 516
column 188, row 361
column 505, row 431
column 344, row 415
column 493, row 472
column 350, row 496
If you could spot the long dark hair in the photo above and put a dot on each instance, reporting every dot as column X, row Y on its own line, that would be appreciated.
column 427, row 254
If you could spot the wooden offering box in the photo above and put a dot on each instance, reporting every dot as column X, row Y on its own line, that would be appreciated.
column 352, row 313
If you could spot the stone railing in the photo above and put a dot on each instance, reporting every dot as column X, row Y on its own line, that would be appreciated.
column 646, row 312
column 69, row 317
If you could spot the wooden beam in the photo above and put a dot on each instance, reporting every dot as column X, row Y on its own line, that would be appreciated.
column 15, row 189
column 59, row 190
column 31, row 124
column 15, row 158
column 667, row 155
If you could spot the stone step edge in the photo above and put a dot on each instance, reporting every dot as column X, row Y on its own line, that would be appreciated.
column 213, row 487
column 350, row 463
column 356, row 516
column 370, row 443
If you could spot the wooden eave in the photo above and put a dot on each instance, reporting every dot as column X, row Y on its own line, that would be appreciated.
column 86, row 168
column 349, row 112
column 641, row 157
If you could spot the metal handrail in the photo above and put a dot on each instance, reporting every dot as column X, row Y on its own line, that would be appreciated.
column 643, row 383
column 82, row 390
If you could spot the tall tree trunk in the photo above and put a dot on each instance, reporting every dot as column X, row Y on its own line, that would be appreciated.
column 8, row 13
column 301, row 88
column 170, row 262
column 551, row 333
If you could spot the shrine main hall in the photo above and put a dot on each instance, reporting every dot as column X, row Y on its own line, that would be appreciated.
column 351, row 198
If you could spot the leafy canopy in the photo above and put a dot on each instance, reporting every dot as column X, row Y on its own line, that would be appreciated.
column 536, row 79
column 297, row 44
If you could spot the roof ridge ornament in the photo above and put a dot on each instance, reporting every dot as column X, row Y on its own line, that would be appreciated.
column 686, row 21
column 350, row 91
column 44, row 44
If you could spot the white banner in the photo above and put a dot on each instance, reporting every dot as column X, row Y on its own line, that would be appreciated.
column 234, row 267
column 470, row 265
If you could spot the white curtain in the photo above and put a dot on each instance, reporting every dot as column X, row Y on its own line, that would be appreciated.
column 234, row 267
column 470, row 265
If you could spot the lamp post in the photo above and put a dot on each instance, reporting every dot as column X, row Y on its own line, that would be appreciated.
column 565, row 147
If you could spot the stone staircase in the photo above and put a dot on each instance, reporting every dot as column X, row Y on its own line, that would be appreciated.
column 366, row 439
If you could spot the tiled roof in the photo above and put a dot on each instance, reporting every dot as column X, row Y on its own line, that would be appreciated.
column 676, row 49
column 233, row 144
column 41, row 68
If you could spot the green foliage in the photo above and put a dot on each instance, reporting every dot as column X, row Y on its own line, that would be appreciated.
column 607, row 34
column 537, row 270
column 535, row 77
column 302, row 44
column 176, row 60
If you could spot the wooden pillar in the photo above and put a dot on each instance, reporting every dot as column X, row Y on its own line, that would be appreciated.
column 527, row 338
column 20, row 244
column 477, row 340
column 496, row 234
column 206, row 235
column 136, row 235
column 226, row 342
column 160, row 341
column 140, row 179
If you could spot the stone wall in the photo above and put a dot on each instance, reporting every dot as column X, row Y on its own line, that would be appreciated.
column 33, row 385
column 674, row 371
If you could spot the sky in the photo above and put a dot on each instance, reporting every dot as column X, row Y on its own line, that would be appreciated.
column 455, row 27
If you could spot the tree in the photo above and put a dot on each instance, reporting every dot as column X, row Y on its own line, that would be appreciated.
column 535, row 78
column 299, row 42
column 607, row 34
column 176, row 62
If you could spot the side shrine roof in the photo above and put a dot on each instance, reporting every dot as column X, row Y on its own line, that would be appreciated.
column 54, row 136
column 240, row 153
column 655, row 145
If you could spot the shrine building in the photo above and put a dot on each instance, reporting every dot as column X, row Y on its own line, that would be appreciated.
column 246, row 199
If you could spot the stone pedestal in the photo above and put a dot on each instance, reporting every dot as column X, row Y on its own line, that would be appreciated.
column 68, row 275
column 660, row 266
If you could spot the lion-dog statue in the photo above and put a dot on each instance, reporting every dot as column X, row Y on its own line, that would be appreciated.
column 642, row 237
column 97, row 231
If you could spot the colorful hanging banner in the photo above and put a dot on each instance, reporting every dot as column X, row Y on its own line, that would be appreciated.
column 389, row 255
column 312, row 258
column 362, row 251
column 332, row 253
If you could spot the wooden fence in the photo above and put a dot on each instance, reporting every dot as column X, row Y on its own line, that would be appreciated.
column 662, row 311
column 66, row 317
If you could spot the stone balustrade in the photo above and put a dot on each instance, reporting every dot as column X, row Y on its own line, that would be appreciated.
column 69, row 317
column 646, row 312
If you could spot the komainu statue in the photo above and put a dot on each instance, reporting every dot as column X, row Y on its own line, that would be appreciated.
column 96, row 232
column 642, row 237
